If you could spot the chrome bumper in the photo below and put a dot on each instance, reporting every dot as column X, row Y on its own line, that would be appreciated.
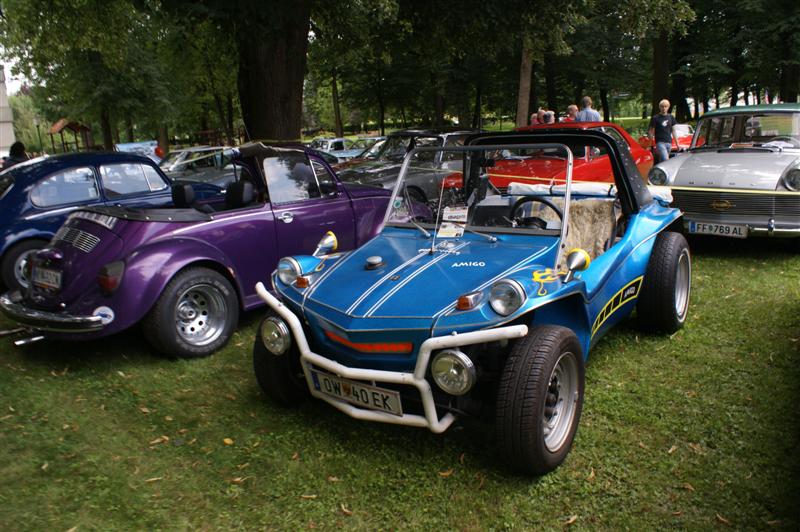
column 47, row 321
column 431, row 418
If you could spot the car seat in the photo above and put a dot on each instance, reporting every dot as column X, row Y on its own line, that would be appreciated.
column 183, row 198
column 239, row 194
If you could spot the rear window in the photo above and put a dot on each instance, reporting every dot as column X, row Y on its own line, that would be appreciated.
column 65, row 187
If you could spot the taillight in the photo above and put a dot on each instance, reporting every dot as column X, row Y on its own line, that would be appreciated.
column 110, row 276
column 454, row 180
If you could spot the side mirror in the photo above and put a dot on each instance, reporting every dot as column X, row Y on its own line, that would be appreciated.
column 577, row 261
column 327, row 188
column 327, row 244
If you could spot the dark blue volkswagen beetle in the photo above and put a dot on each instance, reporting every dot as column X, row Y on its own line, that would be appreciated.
column 37, row 196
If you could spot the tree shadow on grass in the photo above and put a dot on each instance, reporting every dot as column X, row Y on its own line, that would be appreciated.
column 754, row 248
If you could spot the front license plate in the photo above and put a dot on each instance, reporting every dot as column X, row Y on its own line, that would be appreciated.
column 735, row 231
column 46, row 278
column 357, row 393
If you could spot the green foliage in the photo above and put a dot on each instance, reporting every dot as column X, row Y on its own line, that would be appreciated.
column 25, row 118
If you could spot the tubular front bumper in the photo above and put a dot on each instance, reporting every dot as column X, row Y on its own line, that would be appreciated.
column 431, row 418
column 47, row 321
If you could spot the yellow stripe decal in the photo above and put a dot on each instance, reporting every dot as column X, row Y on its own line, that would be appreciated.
column 627, row 293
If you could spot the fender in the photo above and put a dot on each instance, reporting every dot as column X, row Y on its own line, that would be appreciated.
column 149, row 268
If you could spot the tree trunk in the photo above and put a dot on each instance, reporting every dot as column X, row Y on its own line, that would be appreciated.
column 229, row 120
column 438, row 106
column 381, row 109
column 218, row 104
column 163, row 139
column 716, row 97
column 533, row 99
column 129, row 127
column 678, row 98
column 337, row 111
column 790, row 82
column 476, row 114
column 660, row 70
column 105, row 127
column 550, row 82
column 116, row 134
column 272, row 64
column 524, row 90
column 604, row 103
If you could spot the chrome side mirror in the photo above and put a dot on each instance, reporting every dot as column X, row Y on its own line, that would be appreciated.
column 327, row 244
column 577, row 261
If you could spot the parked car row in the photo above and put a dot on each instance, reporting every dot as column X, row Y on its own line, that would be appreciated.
column 446, row 273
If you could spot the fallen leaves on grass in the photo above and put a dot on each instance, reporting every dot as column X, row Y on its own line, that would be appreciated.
column 44, row 466
column 61, row 373
column 774, row 522
column 723, row 520
column 445, row 474
column 227, row 441
column 571, row 519
column 481, row 480
column 333, row 479
column 144, row 410
column 239, row 480
column 168, row 418
column 242, row 466
column 345, row 510
column 308, row 497
column 296, row 456
column 154, row 479
column 677, row 513
column 687, row 486
column 160, row 439
column 697, row 448
column 642, row 445
column 591, row 475
column 672, row 449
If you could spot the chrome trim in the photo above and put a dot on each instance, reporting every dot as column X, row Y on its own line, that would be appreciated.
column 79, row 239
column 431, row 419
column 48, row 321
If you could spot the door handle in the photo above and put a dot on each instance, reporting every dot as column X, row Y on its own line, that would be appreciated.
column 286, row 217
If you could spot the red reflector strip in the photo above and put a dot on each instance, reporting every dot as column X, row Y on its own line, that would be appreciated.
column 382, row 347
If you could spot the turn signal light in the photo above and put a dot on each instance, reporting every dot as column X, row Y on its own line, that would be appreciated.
column 110, row 276
column 379, row 347
column 301, row 282
column 468, row 301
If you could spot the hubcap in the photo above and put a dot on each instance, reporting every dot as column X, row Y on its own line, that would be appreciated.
column 19, row 268
column 683, row 283
column 200, row 314
column 560, row 403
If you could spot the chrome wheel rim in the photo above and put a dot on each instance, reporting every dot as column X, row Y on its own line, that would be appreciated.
column 19, row 267
column 683, row 283
column 560, row 402
column 200, row 314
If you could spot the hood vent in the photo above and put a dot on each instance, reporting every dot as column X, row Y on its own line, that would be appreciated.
column 81, row 240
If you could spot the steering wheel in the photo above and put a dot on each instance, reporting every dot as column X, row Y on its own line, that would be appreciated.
column 533, row 221
column 785, row 138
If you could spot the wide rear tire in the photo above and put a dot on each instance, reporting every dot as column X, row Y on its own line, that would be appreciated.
column 195, row 315
column 664, row 300
column 14, row 260
column 539, row 399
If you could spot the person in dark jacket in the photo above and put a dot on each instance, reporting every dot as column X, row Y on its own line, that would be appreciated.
column 16, row 155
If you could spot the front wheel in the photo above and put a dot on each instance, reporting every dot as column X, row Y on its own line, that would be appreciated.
column 539, row 399
column 279, row 376
column 195, row 315
column 664, row 301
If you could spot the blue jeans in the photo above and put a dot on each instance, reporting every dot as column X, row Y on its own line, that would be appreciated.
column 662, row 151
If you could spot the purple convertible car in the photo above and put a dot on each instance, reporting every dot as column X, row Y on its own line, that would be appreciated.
column 186, row 271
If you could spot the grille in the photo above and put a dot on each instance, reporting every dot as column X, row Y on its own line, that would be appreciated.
column 82, row 240
column 738, row 203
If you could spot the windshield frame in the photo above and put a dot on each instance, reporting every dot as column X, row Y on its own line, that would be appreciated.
column 407, row 160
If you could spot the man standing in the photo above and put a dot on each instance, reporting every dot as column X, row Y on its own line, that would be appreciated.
column 572, row 112
column 587, row 114
column 662, row 127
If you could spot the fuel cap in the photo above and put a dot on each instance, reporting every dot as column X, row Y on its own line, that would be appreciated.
column 374, row 262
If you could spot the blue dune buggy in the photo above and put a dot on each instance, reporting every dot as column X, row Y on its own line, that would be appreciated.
column 488, row 307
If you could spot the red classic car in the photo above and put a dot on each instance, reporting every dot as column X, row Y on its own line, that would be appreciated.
column 544, row 167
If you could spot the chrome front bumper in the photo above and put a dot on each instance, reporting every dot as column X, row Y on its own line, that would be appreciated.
column 47, row 321
column 769, row 229
column 431, row 418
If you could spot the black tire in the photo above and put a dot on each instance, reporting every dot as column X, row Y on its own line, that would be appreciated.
column 13, row 261
column 664, row 300
column 528, row 394
column 417, row 195
column 280, row 377
column 194, row 316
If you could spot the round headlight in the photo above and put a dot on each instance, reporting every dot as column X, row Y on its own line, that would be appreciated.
column 792, row 179
column 506, row 296
column 657, row 176
column 453, row 372
column 275, row 335
column 288, row 270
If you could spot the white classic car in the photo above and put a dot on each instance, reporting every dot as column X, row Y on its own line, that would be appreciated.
column 741, row 175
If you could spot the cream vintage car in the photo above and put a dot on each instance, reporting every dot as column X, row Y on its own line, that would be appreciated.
column 741, row 176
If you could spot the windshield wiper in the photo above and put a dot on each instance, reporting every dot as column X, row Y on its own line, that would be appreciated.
column 490, row 238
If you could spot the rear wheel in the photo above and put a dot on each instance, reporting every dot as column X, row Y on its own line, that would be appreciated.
column 664, row 301
column 194, row 316
column 14, row 261
column 279, row 376
column 539, row 399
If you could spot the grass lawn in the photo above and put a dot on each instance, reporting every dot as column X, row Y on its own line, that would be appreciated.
column 695, row 431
